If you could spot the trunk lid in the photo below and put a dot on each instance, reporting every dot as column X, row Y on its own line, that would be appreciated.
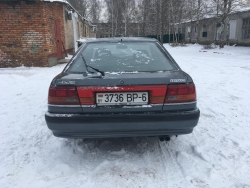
column 154, row 84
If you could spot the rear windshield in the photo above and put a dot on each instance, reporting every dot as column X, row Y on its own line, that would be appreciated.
column 122, row 57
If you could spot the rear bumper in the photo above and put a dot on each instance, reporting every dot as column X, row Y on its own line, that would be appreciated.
column 122, row 125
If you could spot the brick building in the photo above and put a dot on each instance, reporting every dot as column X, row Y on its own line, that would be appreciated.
column 39, row 32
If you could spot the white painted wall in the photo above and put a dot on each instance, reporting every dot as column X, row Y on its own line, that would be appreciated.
column 232, row 29
column 74, row 17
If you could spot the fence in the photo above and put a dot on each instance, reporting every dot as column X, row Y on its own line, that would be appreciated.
column 166, row 38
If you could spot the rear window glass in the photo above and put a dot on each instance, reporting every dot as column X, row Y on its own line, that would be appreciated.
column 122, row 57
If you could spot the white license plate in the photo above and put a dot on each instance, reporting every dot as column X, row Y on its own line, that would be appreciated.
column 124, row 98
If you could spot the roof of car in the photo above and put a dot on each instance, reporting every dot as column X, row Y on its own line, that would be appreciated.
column 125, row 39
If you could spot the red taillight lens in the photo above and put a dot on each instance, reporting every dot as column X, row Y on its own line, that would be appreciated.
column 86, row 95
column 157, row 94
column 63, row 95
column 180, row 93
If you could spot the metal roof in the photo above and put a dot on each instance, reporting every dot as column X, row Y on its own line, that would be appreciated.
column 67, row 3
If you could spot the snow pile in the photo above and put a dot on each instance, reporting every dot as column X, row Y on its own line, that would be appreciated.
column 84, row 39
column 241, row 9
column 68, row 56
column 216, row 154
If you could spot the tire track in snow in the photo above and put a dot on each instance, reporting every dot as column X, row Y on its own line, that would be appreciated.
column 174, row 174
column 130, row 162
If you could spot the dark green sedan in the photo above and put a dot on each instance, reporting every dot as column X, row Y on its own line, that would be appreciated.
column 122, row 87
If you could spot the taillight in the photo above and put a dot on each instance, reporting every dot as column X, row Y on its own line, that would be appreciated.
column 63, row 95
column 180, row 93
column 157, row 94
column 86, row 95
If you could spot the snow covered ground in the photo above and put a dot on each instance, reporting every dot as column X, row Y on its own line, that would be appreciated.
column 216, row 154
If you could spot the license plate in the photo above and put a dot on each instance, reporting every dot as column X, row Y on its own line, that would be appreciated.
column 124, row 98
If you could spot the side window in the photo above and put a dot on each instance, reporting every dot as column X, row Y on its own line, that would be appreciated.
column 204, row 34
column 246, row 28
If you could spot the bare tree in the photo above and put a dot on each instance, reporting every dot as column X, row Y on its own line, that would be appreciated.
column 152, row 17
column 120, row 14
column 82, row 6
column 190, row 16
column 94, row 11
column 129, row 15
column 222, row 9
column 194, row 11
column 158, row 17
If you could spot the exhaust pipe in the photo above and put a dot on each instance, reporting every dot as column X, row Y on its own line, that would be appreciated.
column 161, row 138
column 166, row 138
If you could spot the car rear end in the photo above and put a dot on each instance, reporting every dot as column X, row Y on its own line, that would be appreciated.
column 122, row 104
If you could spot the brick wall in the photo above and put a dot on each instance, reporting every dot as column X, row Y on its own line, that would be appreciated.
column 21, row 34
column 27, row 33
column 52, row 12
